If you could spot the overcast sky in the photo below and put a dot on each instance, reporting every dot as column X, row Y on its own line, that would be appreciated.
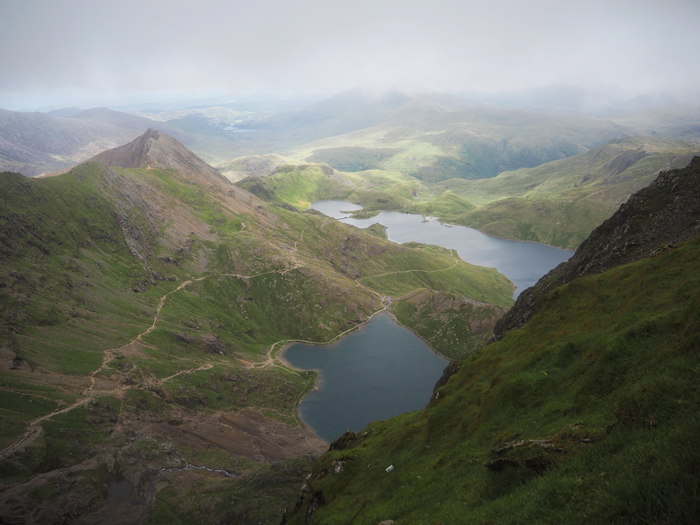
column 52, row 50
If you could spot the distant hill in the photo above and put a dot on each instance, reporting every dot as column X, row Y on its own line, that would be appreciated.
column 434, row 137
column 355, row 110
column 64, row 112
column 675, row 121
column 561, row 202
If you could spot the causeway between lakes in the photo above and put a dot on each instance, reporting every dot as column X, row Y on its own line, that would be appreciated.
column 383, row 369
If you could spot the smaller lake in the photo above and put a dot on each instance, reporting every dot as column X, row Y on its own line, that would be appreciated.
column 379, row 371
column 522, row 262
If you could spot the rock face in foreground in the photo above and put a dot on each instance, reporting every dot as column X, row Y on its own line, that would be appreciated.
column 654, row 219
column 158, row 150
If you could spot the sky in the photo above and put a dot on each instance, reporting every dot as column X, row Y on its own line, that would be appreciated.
column 55, row 52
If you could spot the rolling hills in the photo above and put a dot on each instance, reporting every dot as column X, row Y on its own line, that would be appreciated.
column 558, row 203
column 561, row 202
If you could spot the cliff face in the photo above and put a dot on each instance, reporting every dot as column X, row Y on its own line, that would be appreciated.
column 653, row 220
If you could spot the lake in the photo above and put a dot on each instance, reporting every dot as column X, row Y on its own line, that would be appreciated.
column 375, row 372
column 522, row 262
column 383, row 369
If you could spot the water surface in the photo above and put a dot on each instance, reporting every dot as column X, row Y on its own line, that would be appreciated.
column 522, row 262
column 376, row 372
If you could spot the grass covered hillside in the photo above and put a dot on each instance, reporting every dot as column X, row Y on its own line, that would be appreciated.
column 559, row 203
column 434, row 137
column 141, row 310
column 299, row 185
column 587, row 414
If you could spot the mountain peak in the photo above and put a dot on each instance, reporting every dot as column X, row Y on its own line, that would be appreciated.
column 156, row 149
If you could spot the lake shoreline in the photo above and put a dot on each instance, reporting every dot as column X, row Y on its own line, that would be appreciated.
column 383, row 370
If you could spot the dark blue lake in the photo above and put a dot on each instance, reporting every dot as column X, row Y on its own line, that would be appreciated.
column 376, row 372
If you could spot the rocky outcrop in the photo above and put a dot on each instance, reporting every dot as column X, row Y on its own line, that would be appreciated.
column 155, row 149
column 654, row 219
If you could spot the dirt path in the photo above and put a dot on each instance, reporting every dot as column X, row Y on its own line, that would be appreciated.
column 34, row 428
column 274, row 360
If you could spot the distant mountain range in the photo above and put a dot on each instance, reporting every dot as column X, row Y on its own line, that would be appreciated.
column 429, row 137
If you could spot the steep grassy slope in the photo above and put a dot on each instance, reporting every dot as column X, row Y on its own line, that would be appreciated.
column 655, row 218
column 140, row 313
column 587, row 414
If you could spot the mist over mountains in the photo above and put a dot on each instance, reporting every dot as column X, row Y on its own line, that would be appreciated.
column 429, row 136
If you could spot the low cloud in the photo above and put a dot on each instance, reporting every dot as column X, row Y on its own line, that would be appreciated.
column 49, row 47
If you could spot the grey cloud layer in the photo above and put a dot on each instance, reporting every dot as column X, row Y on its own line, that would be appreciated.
column 240, row 46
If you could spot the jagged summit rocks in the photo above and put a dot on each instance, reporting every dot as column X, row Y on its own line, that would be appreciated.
column 654, row 219
column 155, row 149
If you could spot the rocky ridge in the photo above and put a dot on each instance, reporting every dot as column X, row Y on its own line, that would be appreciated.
column 158, row 150
column 653, row 220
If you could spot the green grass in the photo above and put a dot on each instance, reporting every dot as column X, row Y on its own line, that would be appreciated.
column 297, row 185
column 609, row 360
column 452, row 325
column 557, row 203
column 259, row 496
column 561, row 202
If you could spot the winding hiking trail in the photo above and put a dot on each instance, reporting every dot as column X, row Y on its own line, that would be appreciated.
column 34, row 428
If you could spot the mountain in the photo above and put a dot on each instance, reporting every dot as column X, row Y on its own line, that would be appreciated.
column 142, row 307
column 356, row 110
column 155, row 149
column 37, row 143
column 123, row 120
column 654, row 219
column 588, row 413
column 674, row 121
column 429, row 136
column 434, row 137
